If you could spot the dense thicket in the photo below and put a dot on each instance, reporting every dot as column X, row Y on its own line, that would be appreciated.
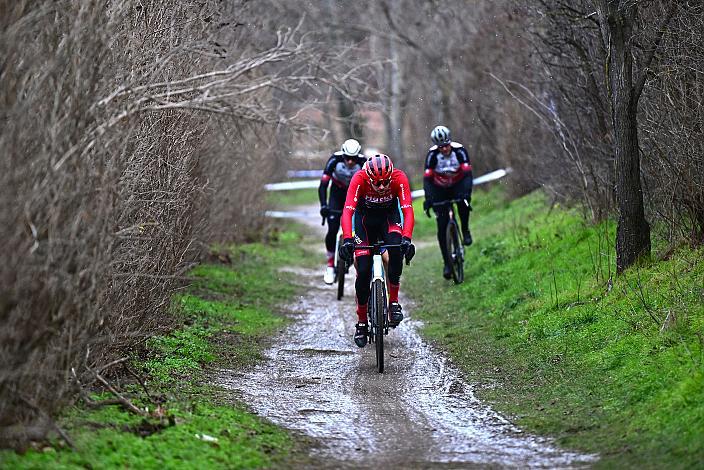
column 131, row 132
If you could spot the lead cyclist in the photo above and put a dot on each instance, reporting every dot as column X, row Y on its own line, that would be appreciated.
column 375, row 195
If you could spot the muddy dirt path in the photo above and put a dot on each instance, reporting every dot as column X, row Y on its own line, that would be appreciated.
column 419, row 413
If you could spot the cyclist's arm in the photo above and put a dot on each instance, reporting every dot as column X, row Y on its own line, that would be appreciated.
column 325, row 180
column 354, row 192
column 465, row 166
column 403, row 191
column 430, row 161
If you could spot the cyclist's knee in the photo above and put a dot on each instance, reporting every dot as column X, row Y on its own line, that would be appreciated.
column 364, row 266
column 333, row 224
column 442, row 226
column 394, row 255
column 395, row 273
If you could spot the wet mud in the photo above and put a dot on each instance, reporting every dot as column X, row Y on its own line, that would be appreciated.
column 419, row 413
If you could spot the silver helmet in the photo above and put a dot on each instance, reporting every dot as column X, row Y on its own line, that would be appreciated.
column 351, row 148
column 440, row 135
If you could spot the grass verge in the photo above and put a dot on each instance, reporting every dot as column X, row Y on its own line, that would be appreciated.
column 224, row 319
column 297, row 197
column 608, row 365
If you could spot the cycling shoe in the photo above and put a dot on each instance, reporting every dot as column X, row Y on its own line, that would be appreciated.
column 447, row 272
column 395, row 315
column 329, row 276
column 360, row 334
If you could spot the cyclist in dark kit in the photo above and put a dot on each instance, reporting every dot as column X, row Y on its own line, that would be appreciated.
column 374, row 198
column 340, row 168
column 448, row 175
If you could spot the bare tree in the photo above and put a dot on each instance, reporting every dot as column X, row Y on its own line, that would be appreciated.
column 617, row 21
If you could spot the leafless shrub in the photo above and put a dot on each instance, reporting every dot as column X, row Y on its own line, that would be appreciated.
column 673, row 134
column 667, row 52
column 126, row 126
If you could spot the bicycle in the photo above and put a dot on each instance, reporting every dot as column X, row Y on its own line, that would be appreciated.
column 453, row 240
column 378, row 305
column 340, row 268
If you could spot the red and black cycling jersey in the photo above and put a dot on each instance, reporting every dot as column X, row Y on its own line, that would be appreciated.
column 362, row 197
column 446, row 171
column 337, row 171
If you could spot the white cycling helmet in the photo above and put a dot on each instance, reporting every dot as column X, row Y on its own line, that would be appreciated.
column 440, row 135
column 351, row 148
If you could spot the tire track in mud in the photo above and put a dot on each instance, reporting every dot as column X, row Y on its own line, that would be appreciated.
column 419, row 413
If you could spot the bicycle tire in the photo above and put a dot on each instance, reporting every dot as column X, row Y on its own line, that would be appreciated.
column 340, row 279
column 459, row 261
column 378, row 293
column 454, row 250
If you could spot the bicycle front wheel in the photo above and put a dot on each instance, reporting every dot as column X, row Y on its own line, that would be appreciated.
column 454, row 250
column 378, row 293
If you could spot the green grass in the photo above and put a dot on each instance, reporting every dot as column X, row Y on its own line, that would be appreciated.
column 225, row 317
column 243, row 441
column 579, row 354
column 296, row 197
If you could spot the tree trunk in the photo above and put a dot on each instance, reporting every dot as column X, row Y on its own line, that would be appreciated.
column 633, row 231
column 438, row 100
column 350, row 123
column 394, row 128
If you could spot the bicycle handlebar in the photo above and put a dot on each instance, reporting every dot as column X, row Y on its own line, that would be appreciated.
column 408, row 256
column 448, row 202
column 451, row 201
column 376, row 245
column 331, row 211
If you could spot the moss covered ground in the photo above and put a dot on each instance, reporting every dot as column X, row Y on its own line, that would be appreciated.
column 225, row 318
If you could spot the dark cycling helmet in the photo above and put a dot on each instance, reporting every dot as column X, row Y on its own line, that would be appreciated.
column 379, row 168
column 351, row 148
column 440, row 135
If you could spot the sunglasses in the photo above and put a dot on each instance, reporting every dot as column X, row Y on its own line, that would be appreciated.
column 443, row 146
column 382, row 183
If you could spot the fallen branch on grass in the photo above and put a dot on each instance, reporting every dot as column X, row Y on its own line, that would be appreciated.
column 118, row 400
column 126, row 404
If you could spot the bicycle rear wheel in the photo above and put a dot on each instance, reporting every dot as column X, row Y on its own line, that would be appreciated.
column 378, row 304
column 340, row 269
column 454, row 250
column 340, row 279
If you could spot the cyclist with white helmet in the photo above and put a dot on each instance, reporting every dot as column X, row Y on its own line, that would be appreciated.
column 339, row 169
column 374, row 198
column 448, row 175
